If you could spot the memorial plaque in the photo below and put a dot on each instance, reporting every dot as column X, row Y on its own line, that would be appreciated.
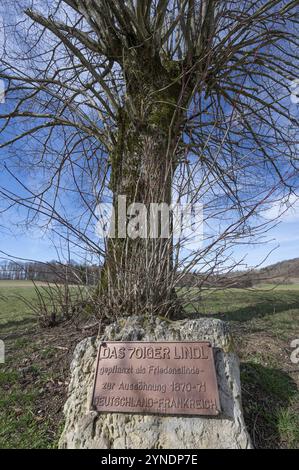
column 176, row 378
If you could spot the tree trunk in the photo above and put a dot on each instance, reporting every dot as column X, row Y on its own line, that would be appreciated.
column 138, row 273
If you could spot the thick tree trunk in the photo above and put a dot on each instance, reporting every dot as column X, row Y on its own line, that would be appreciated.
column 138, row 276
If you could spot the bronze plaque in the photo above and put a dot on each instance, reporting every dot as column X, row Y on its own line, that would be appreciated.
column 175, row 378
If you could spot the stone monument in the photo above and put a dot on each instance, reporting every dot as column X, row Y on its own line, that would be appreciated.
column 87, row 427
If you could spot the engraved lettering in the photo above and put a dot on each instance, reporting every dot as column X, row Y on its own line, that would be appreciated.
column 176, row 378
column 189, row 352
column 108, row 386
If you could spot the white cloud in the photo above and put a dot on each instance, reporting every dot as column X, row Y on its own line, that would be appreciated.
column 285, row 210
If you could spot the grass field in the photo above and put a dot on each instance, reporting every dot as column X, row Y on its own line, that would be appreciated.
column 34, row 379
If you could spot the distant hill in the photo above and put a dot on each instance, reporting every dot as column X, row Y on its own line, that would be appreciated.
column 287, row 271
column 284, row 272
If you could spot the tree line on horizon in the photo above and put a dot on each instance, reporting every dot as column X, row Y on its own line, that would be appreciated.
column 53, row 271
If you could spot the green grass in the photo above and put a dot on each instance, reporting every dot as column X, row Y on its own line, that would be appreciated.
column 13, row 310
column 242, row 304
column 18, row 297
column 20, row 426
column 288, row 426
column 270, row 399
column 263, row 320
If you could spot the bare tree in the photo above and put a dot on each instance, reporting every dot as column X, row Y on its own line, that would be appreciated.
column 156, row 100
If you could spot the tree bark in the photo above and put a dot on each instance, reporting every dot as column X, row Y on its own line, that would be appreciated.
column 138, row 272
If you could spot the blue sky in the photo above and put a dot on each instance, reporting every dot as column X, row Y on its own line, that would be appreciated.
column 31, row 243
column 283, row 244
column 284, row 237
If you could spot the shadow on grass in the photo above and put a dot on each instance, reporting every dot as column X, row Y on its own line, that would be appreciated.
column 267, row 399
column 261, row 309
column 258, row 309
column 14, row 328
